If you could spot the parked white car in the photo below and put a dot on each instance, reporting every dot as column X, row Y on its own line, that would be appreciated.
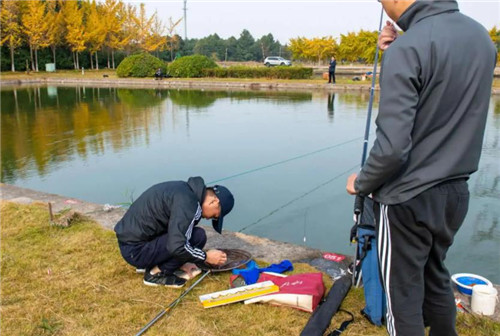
column 276, row 60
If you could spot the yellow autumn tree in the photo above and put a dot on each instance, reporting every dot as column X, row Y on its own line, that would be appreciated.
column 75, row 35
column 360, row 46
column 35, row 26
column 495, row 37
column 113, row 13
column 143, row 24
column 55, row 26
column 297, row 46
column 317, row 49
column 10, row 28
column 129, row 31
column 320, row 48
column 156, row 40
column 95, row 32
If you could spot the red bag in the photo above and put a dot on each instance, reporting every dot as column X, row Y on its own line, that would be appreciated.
column 301, row 291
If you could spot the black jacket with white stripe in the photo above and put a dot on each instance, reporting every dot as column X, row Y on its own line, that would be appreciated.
column 171, row 208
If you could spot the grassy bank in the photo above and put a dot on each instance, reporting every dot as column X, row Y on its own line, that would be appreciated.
column 72, row 281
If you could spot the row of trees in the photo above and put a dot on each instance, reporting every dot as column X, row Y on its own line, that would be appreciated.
column 83, row 25
column 106, row 28
column 62, row 31
column 353, row 47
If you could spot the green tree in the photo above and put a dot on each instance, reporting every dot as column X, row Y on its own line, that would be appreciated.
column 267, row 46
column 211, row 46
column 10, row 28
column 231, row 44
column 173, row 40
column 245, row 47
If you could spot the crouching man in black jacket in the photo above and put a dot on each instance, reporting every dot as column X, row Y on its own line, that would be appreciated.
column 159, row 233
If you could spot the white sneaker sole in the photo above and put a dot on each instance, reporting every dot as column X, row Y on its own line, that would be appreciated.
column 152, row 284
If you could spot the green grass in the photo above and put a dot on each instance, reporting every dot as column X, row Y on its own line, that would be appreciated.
column 73, row 281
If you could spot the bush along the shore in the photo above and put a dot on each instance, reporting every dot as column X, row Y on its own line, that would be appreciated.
column 140, row 65
column 280, row 72
column 190, row 66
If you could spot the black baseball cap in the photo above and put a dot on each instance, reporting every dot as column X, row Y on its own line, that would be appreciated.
column 226, row 201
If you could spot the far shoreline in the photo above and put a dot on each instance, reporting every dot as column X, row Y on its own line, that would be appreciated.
column 107, row 78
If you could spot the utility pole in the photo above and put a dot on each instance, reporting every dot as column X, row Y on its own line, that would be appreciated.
column 185, row 21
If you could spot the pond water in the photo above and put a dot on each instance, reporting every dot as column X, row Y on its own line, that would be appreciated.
column 285, row 156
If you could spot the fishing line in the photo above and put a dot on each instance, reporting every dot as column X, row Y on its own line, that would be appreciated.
column 298, row 197
column 285, row 161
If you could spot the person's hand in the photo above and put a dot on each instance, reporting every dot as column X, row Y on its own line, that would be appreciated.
column 350, row 184
column 216, row 257
column 387, row 35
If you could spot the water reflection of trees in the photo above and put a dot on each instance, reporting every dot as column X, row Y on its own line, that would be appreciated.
column 358, row 100
column 42, row 126
column 202, row 99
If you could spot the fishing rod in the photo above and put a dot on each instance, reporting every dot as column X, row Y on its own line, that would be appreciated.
column 171, row 305
column 359, row 200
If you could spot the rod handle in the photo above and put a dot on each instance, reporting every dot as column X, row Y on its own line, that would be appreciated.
column 358, row 204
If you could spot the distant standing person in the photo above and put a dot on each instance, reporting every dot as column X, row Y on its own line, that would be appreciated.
column 331, row 70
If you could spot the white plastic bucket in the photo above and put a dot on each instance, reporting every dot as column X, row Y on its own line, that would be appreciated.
column 484, row 299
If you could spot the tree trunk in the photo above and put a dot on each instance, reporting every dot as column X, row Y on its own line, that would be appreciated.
column 108, row 58
column 91, row 62
column 36, row 59
column 113, row 58
column 96, row 62
column 74, row 60
column 12, row 66
column 54, row 54
column 77, row 61
column 31, row 58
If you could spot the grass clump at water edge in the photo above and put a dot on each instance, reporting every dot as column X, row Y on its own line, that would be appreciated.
column 73, row 281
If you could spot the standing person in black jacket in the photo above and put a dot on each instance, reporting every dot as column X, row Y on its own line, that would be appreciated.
column 331, row 70
column 158, row 233
column 435, row 89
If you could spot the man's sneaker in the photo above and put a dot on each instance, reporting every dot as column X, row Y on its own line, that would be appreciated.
column 187, row 276
column 140, row 270
column 163, row 279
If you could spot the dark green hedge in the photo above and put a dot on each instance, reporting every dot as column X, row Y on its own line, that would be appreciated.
column 140, row 65
column 190, row 66
column 280, row 72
